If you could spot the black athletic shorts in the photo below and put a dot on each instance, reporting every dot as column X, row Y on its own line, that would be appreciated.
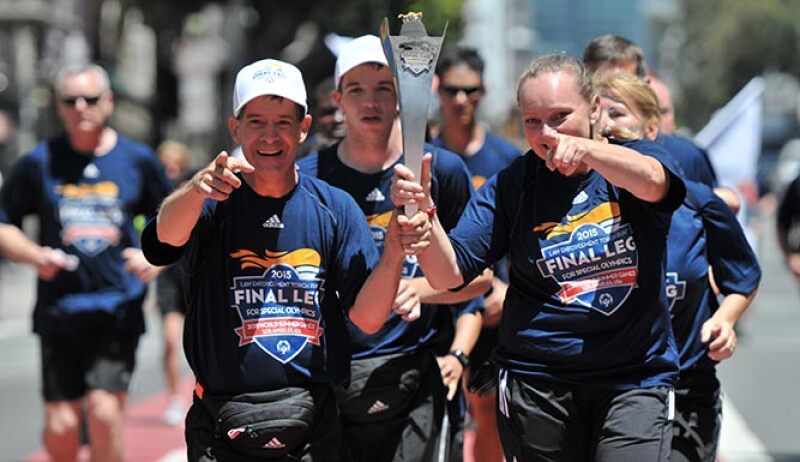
column 482, row 352
column 170, row 296
column 98, row 360
column 698, row 416
column 552, row 422
column 410, row 432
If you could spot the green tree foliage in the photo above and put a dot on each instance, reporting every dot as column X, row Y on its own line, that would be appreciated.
column 728, row 42
column 358, row 17
column 438, row 12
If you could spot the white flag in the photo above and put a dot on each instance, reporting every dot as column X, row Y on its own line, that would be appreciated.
column 733, row 140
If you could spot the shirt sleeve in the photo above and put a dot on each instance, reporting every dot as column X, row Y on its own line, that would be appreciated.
column 735, row 266
column 452, row 189
column 21, row 193
column 472, row 306
column 162, row 254
column 481, row 237
column 356, row 253
column 155, row 251
column 156, row 185
column 677, row 188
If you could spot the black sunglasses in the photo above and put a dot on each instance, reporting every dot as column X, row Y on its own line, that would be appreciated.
column 73, row 100
column 453, row 90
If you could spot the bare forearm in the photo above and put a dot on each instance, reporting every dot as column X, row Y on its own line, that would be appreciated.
column 375, row 299
column 178, row 215
column 468, row 329
column 438, row 261
column 733, row 307
column 475, row 288
column 16, row 246
column 643, row 176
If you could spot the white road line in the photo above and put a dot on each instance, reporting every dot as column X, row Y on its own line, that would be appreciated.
column 737, row 442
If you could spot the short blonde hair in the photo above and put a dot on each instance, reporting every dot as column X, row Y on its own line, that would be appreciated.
column 182, row 150
column 559, row 62
column 635, row 94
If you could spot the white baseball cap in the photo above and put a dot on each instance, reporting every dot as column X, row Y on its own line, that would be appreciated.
column 268, row 77
column 364, row 49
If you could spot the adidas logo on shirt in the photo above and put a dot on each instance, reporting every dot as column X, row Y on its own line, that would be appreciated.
column 377, row 406
column 580, row 198
column 91, row 171
column 375, row 196
column 274, row 443
column 273, row 222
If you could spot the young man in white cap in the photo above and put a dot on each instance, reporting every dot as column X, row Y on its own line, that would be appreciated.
column 400, row 379
column 277, row 262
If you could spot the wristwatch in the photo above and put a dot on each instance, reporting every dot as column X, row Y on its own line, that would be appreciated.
column 461, row 357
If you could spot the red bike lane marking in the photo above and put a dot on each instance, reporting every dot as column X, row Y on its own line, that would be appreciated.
column 146, row 437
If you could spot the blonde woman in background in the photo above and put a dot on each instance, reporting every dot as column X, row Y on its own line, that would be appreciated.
column 703, row 232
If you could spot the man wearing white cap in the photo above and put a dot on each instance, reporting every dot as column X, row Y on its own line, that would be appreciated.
column 277, row 263
column 400, row 379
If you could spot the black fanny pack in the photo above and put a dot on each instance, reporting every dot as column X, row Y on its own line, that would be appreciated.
column 267, row 424
column 382, row 387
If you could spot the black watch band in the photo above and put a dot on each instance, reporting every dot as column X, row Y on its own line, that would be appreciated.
column 461, row 357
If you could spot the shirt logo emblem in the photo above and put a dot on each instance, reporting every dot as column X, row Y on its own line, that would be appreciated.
column 593, row 258
column 375, row 196
column 273, row 222
column 91, row 171
column 279, row 308
column 676, row 289
column 378, row 226
column 580, row 198
column 378, row 406
column 274, row 443
column 91, row 215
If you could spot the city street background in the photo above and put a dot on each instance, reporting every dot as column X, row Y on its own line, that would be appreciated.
column 172, row 65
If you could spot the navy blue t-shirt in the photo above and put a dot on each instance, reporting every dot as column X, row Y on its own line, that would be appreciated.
column 495, row 155
column 86, row 205
column 691, row 158
column 586, row 302
column 704, row 232
column 451, row 190
column 270, row 280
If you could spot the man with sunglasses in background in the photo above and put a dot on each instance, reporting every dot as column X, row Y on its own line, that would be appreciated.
column 461, row 89
column 85, row 187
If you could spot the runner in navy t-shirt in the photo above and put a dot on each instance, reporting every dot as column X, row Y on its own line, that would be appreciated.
column 85, row 187
column 587, row 360
column 278, row 263
column 704, row 232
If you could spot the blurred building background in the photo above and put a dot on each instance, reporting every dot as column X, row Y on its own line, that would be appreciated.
column 172, row 63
